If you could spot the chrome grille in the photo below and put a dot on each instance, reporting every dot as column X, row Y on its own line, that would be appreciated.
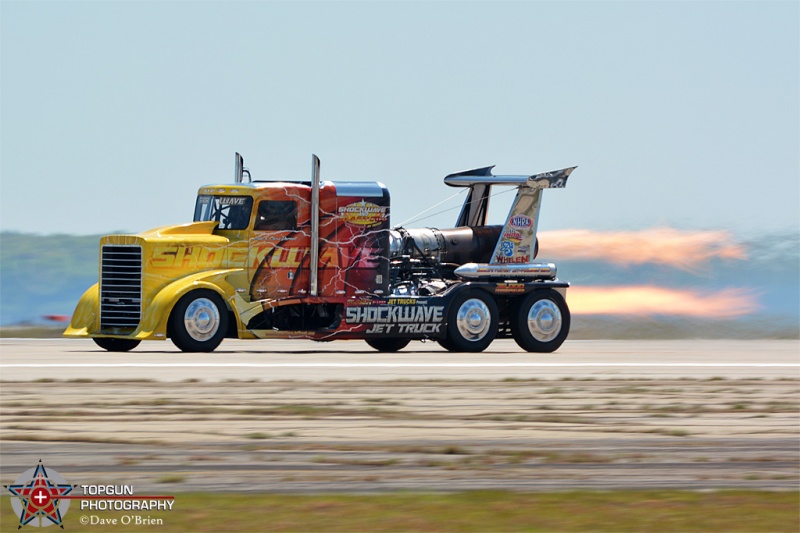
column 120, row 286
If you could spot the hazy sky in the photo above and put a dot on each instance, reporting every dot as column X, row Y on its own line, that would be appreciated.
column 682, row 114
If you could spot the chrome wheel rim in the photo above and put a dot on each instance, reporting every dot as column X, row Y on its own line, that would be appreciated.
column 544, row 320
column 473, row 319
column 201, row 319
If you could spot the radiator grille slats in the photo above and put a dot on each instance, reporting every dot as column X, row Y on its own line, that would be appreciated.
column 121, row 286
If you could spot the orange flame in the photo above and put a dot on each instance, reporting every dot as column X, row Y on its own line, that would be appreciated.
column 681, row 249
column 650, row 300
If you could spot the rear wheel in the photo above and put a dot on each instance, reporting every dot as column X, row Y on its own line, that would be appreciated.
column 388, row 345
column 541, row 322
column 116, row 345
column 199, row 321
column 471, row 322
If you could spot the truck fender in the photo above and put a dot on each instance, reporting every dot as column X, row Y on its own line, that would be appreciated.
column 462, row 287
column 85, row 318
column 154, row 321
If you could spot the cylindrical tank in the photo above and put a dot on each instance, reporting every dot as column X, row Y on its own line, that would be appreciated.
column 456, row 245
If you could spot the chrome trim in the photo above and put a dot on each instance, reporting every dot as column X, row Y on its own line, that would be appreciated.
column 238, row 168
column 201, row 319
column 473, row 319
column 313, row 288
column 507, row 271
column 120, row 286
column 544, row 320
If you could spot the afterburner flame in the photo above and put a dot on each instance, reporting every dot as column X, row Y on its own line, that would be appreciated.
column 687, row 250
column 649, row 300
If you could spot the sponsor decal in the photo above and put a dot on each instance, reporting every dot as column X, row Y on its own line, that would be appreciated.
column 513, row 236
column 232, row 200
column 518, row 259
column 405, row 301
column 367, row 301
column 509, row 288
column 402, row 319
column 394, row 314
column 182, row 256
column 529, row 270
column 363, row 213
column 387, row 329
column 269, row 255
column 521, row 221
column 506, row 249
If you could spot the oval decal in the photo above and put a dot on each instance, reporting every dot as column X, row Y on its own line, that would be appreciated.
column 513, row 236
column 363, row 214
column 521, row 221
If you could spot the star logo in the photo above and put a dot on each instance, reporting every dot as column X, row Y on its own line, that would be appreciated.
column 38, row 495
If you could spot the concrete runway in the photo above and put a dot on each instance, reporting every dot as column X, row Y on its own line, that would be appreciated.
column 69, row 359
column 298, row 416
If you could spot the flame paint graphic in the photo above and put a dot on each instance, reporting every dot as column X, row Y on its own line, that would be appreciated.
column 686, row 250
column 651, row 300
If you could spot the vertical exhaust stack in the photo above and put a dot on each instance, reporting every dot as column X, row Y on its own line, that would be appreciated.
column 313, row 289
column 239, row 170
column 238, row 166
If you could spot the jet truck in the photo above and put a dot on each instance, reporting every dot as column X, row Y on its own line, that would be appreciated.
column 319, row 260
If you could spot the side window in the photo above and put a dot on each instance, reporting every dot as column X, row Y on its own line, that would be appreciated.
column 276, row 215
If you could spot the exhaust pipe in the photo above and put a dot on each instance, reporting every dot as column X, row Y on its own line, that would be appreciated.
column 314, row 224
column 238, row 166
column 239, row 170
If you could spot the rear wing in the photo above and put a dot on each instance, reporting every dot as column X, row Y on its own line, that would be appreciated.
column 516, row 244
column 556, row 179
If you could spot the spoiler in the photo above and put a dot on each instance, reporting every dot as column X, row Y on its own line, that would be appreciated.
column 556, row 179
column 481, row 180
column 517, row 242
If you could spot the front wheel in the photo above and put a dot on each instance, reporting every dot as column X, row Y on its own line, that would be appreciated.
column 116, row 345
column 541, row 322
column 388, row 345
column 471, row 322
column 199, row 321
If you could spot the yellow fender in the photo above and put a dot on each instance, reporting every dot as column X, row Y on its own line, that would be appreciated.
column 153, row 325
column 86, row 317
column 154, row 322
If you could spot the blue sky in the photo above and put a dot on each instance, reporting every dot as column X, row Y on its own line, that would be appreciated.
column 682, row 114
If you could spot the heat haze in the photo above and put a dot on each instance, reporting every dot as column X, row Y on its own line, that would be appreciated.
column 650, row 300
column 686, row 250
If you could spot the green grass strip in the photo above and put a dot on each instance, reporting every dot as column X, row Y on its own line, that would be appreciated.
column 479, row 511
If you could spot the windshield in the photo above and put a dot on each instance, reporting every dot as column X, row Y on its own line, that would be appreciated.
column 232, row 212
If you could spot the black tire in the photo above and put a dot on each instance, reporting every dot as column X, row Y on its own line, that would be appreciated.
column 540, row 323
column 116, row 345
column 447, row 345
column 199, row 321
column 472, row 322
column 388, row 345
